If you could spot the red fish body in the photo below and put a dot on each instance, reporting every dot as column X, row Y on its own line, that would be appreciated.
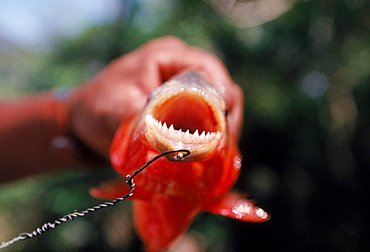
column 184, row 113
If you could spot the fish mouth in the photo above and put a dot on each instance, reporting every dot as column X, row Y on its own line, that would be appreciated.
column 186, row 113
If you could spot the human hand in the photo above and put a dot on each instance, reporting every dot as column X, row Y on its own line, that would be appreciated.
column 97, row 108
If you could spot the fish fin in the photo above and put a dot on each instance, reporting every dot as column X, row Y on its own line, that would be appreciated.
column 162, row 220
column 111, row 189
column 116, row 188
column 237, row 206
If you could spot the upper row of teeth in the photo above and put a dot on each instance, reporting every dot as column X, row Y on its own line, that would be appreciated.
column 178, row 135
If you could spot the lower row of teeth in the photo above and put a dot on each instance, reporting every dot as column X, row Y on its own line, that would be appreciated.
column 178, row 135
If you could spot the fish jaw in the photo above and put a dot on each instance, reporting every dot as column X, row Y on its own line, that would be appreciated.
column 185, row 113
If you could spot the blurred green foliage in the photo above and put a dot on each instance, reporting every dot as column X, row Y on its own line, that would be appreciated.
column 306, row 137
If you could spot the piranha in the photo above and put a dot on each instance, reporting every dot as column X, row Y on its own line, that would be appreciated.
column 188, row 113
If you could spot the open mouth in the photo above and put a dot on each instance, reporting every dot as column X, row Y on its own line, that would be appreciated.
column 185, row 121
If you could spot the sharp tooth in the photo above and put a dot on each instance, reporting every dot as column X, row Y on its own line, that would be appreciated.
column 207, row 137
column 196, row 138
column 202, row 137
column 171, row 129
column 177, row 136
column 187, row 139
column 163, row 128
column 210, row 136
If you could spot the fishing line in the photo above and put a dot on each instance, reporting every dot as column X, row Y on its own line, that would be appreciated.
column 129, row 181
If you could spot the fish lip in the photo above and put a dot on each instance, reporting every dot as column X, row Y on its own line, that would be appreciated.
column 191, row 104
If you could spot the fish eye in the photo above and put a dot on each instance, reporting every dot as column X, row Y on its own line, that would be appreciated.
column 226, row 113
